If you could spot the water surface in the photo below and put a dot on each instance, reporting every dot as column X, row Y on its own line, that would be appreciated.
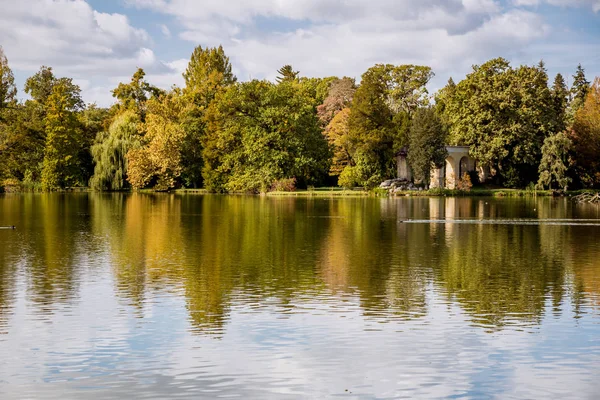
column 185, row 296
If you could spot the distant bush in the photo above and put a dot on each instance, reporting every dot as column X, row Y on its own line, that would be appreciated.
column 284, row 185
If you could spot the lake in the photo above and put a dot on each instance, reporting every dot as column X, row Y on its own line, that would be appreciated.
column 191, row 296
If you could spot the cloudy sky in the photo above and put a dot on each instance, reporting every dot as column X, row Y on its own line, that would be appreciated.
column 101, row 42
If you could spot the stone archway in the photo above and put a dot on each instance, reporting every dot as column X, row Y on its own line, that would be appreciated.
column 451, row 177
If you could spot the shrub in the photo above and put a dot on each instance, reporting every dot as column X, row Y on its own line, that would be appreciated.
column 464, row 183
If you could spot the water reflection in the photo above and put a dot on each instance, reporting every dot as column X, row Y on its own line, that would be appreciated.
column 141, row 272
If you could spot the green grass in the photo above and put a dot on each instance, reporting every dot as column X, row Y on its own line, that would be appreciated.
column 322, row 193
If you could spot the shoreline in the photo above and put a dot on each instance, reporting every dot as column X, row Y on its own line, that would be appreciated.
column 338, row 192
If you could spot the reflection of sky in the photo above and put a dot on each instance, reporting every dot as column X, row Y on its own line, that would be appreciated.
column 318, row 349
column 98, row 343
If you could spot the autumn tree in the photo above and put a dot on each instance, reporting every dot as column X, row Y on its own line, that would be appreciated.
column 339, row 97
column 337, row 134
column 427, row 144
column 586, row 138
column 159, row 160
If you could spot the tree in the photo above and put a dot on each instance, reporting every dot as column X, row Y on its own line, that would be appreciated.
column 40, row 85
column 209, row 73
column 93, row 120
column 339, row 141
column 339, row 97
column 380, row 116
column 160, row 158
column 287, row 74
column 371, row 128
column 427, row 144
column 259, row 133
column 586, row 138
column 8, row 90
column 555, row 161
column 135, row 94
column 560, row 101
column 63, row 134
column 580, row 88
column 504, row 115
column 110, row 152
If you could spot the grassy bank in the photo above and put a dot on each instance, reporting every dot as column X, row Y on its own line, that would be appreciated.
column 359, row 192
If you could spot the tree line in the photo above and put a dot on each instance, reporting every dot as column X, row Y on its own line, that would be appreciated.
column 229, row 136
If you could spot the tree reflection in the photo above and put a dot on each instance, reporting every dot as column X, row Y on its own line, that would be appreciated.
column 225, row 252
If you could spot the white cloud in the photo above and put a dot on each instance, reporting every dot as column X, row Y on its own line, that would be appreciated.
column 77, row 41
column 346, row 37
column 318, row 37
column 594, row 4
column 165, row 30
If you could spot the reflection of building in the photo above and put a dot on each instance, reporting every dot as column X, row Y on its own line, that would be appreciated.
column 457, row 164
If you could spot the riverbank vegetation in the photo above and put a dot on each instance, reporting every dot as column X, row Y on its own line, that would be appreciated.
column 224, row 135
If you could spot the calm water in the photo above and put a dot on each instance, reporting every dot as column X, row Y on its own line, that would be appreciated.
column 156, row 296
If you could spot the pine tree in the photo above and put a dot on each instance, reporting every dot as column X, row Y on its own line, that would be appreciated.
column 580, row 88
column 287, row 74
column 560, row 101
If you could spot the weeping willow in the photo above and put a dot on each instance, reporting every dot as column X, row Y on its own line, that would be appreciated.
column 110, row 153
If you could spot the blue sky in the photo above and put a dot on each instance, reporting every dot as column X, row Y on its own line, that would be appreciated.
column 101, row 42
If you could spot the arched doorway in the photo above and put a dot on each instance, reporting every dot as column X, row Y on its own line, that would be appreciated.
column 463, row 166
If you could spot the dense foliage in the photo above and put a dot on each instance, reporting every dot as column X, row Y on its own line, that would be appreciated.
column 257, row 136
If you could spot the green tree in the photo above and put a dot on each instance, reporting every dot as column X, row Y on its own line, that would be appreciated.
column 560, row 101
column 427, row 144
column 371, row 128
column 259, row 133
column 93, row 121
column 504, row 115
column 555, row 162
column 39, row 86
column 8, row 90
column 135, row 94
column 287, row 74
column 63, row 134
column 110, row 152
column 208, row 73
column 380, row 117
column 580, row 88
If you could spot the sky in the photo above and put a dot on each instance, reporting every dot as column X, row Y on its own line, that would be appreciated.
column 100, row 43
